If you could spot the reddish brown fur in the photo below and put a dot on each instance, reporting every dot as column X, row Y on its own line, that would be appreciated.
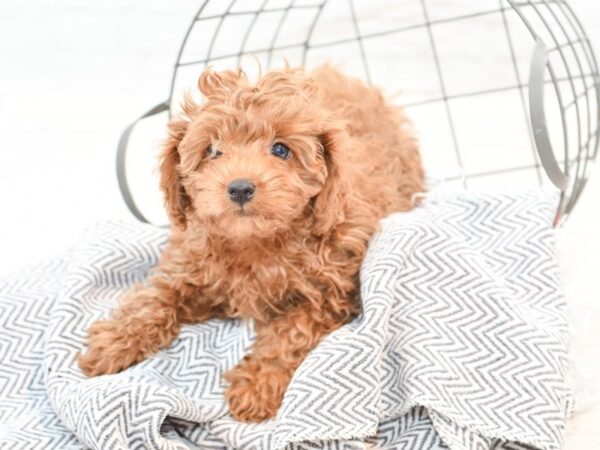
column 290, row 259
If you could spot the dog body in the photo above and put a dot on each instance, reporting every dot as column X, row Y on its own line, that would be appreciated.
column 273, row 190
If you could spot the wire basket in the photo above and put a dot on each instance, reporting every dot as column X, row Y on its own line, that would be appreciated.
column 501, row 92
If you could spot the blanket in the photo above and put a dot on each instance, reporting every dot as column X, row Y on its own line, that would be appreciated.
column 462, row 344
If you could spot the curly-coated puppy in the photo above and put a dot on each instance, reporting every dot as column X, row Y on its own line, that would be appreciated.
column 273, row 190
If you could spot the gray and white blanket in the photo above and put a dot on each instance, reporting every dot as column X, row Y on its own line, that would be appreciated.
column 462, row 344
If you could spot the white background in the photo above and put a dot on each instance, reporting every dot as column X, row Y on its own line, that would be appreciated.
column 74, row 73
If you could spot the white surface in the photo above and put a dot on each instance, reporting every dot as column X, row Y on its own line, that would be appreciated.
column 73, row 74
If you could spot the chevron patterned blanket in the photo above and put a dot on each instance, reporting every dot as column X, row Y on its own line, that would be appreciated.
column 462, row 344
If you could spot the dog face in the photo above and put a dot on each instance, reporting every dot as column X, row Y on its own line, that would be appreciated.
column 253, row 160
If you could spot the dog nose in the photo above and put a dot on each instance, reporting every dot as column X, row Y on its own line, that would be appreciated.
column 241, row 191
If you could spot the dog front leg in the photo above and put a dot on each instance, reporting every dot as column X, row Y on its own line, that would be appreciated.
column 258, row 383
column 147, row 320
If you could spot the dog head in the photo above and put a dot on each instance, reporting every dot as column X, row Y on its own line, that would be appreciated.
column 255, row 159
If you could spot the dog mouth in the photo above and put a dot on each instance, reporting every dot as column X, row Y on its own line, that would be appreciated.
column 243, row 212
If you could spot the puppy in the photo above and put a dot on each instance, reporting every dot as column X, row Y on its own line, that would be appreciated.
column 273, row 190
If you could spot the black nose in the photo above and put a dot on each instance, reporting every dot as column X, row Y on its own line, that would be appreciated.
column 241, row 191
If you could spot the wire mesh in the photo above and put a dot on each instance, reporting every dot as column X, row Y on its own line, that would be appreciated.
column 461, row 70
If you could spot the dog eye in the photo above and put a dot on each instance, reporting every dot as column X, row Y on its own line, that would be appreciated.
column 211, row 153
column 281, row 151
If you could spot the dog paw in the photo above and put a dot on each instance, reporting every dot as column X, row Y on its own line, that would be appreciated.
column 255, row 393
column 110, row 350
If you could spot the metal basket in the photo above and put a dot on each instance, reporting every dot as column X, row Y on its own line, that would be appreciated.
column 502, row 93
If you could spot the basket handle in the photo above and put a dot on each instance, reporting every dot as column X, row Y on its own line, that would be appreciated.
column 539, row 60
column 122, row 156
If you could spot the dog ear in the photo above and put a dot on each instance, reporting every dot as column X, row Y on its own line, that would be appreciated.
column 220, row 84
column 330, row 203
column 177, row 202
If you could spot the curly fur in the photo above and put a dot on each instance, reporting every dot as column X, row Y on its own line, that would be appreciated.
column 289, row 259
